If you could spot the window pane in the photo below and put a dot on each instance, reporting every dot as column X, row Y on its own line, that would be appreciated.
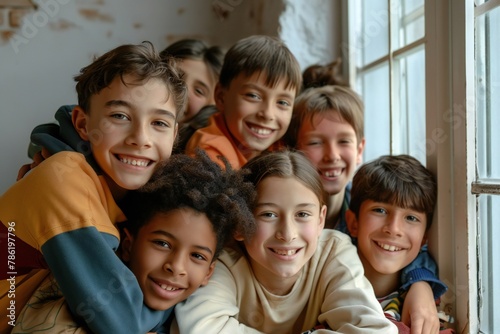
column 409, row 24
column 488, row 94
column 412, row 5
column 409, row 109
column 480, row 2
column 489, row 273
column 375, row 92
column 374, row 35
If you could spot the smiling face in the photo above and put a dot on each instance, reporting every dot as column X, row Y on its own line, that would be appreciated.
column 389, row 237
column 168, row 259
column 130, row 128
column 289, row 220
column 331, row 145
column 256, row 115
column 201, row 85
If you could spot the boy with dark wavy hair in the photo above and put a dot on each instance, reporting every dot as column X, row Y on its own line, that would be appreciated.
column 66, row 210
column 390, row 213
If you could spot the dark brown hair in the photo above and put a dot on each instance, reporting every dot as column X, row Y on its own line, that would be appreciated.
column 140, row 61
column 322, row 75
column 399, row 180
column 212, row 56
column 265, row 54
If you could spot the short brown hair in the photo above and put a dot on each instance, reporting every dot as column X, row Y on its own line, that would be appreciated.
column 325, row 101
column 285, row 164
column 265, row 54
column 142, row 62
column 400, row 180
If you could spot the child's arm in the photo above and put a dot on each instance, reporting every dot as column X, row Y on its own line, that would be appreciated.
column 349, row 303
column 419, row 310
column 420, row 279
column 60, row 210
column 423, row 268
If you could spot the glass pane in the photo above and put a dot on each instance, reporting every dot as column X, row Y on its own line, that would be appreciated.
column 373, row 39
column 409, row 24
column 489, row 271
column 412, row 5
column 375, row 92
column 488, row 94
column 409, row 105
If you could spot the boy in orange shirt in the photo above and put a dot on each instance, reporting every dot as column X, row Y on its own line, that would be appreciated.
column 258, row 83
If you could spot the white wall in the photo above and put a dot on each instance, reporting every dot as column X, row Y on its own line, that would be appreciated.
column 312, row 30
column 38, row 63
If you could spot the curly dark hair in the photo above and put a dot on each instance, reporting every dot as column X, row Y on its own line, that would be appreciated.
column 197, row 183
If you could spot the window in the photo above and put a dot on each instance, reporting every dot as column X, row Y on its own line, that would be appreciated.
column 429, row 74
column 388, row 50
column 486, row 187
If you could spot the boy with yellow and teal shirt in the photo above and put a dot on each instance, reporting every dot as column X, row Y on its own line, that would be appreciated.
column 128, row 103
column 168, row 260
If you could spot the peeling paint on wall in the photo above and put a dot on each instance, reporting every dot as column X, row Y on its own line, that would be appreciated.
column 17, row 26
column 61, row 25
column 12, row 13
column 95, row 15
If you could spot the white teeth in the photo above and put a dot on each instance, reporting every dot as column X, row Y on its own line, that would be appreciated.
column 285, row 252
column 389, row 248
column 134, row 162
column 260, row 131
column 168, row 287
column 334, row 173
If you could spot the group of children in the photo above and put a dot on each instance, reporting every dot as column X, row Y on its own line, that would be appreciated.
column 265, row 188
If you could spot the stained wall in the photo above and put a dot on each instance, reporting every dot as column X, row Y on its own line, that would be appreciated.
column 44, row 43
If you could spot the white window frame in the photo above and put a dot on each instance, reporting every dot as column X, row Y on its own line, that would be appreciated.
column 451, row 107
column 450, row 148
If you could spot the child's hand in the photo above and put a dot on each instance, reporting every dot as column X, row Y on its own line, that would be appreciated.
column 419, row 309
column 37, row 159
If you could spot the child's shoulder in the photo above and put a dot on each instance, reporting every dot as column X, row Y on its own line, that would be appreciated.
column 329, row 235
column 231, row 255
column 216, row 141
column 59, row 169
column 68, row 161
column 212, row 132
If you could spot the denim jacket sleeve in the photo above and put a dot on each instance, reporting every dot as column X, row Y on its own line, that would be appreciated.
column 423, row 268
